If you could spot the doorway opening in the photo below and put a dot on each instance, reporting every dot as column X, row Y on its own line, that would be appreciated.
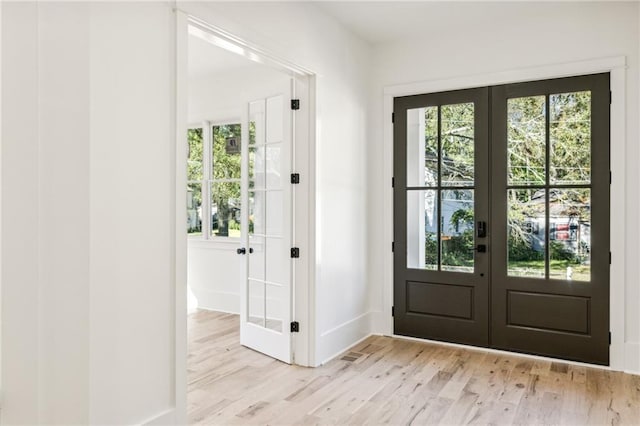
column 244, row 129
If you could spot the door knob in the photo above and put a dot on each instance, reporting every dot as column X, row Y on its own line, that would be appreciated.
column 241, row 251
column 480, row 248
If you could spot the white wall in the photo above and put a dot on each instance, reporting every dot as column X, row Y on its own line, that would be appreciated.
column 87, row 252
column 306, row 36
column 504, row 37
column 213, row 266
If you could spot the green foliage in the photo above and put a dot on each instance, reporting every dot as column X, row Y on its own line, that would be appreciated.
column 225, row 195
column 457, row 251
column 521, row 249
column 194, row 161
column 558, row 251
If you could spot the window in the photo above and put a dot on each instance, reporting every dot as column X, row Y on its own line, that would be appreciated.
column 213, row 181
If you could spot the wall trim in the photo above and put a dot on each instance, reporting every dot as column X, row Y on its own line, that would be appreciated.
column 632, row 358
column 219, row 301
column 617, row 67
column 167, row 417
column 338, row 339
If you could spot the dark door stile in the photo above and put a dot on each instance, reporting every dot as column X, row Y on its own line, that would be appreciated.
column 555, row 317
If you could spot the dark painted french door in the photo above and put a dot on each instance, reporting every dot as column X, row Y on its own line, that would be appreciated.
column 501, row 217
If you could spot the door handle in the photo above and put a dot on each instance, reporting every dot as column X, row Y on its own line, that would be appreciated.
column 480, row 248
column 241, row 250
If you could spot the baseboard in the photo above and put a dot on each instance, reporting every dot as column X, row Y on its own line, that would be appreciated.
column 217, row 300
column 333, row 342
column 167, row 417
column 632, row 357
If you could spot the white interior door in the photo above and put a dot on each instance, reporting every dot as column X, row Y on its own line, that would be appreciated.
column 267, row 228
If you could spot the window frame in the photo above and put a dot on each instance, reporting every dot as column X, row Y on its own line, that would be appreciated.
column 207, row 181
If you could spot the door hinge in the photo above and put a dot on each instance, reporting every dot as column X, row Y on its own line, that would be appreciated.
column 295, row 327
column 295, row 252
column 295, row 104
column 393, row 246
column 610, row 178
column 609, row 337
column 609, row 258
column 610, row 97
column 295, row 178
column 393, row 311
column 393, row 117
column 393, row 182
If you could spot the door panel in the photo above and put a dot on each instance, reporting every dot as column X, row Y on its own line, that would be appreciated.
column 441, row 191
column 540, row 284
column 266, row 227
column 550, row 214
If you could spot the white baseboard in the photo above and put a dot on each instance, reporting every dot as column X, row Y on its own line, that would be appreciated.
column 333, row 342
column 632, row 358
column 167, row 417
column 217, row 300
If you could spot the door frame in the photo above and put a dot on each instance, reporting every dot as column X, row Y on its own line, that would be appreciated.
column 303, row 198
column 616, row 66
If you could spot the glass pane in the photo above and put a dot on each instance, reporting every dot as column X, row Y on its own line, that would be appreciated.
column 255, row 304
column 194, row 157
column 274, row 213
column 277, row 261
column 457, row 144
column 257, row 167
column 569, row 234
column 194, row 209
column 257, row 208
column 422, row 146
column 226, row 151
column 526, row 137
column 422, row 229
column 257, row 260
column 457, row 230
column 526, row 232
column 252, row 133
column 275, row 308
column 274, row 170
column 225, row 209
column 570, row 138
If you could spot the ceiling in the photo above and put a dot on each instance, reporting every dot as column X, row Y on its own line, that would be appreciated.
column 387, row 21
column 206, row 59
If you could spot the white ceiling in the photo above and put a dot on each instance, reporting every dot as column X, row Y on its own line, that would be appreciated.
column 206, row 59
column 386, row 21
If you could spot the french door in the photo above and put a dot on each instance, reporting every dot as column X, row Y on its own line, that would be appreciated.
column 501, row 217
column 266, row 296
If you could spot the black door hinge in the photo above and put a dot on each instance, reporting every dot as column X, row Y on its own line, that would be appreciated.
column 609, row 337
column 295, row 178
column 295, row 327
column 295, row 104
column 609, row 258
column 393, row 117
column 393, row 246
column 610, row 97
column 295, row 252
column 610, row 178
column 393, row 311
column 393, row 182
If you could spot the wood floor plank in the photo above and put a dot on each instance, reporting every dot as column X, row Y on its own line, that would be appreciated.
column 384, row 380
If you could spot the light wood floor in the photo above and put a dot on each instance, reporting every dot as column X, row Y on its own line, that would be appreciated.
column 395, row 381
